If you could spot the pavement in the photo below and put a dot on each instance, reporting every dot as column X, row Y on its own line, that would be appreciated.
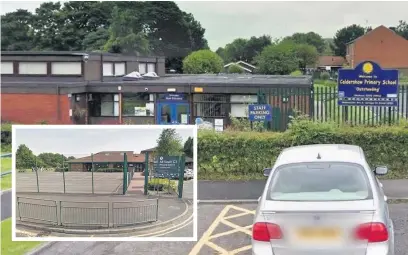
column 5, row 204
column 225, row 190
column 222, row 229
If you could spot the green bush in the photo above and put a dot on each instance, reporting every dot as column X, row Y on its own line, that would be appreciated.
column 296, row 73
column 324, row 76
column 161, row 184
column 234, row 68
column 5, row 137
column 243, row 155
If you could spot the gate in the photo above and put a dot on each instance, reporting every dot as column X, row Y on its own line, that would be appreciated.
column 286, row 102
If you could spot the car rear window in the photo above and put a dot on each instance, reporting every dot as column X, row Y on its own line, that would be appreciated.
column 319, row 182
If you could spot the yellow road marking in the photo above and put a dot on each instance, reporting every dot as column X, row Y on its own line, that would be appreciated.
column 176, row 229
column 204, row 239
column 240, row 250
column 207, row 237
column 163, row 231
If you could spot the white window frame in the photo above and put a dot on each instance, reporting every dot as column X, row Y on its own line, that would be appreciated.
column 239, row 105
column 144, row 67
column 67, row 70
column 123, row 69
column 28, row 69
column 149, row 67
column 110, row 69
column 6, row 65
column 107, row 68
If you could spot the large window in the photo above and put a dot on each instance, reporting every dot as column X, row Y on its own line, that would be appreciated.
column 210, row 105
column 114, row 69
column 147, row 67
column 32, row 68
column 7, row 68
column 328, row 181
column 104, row 105
column 66, row 68
column 239, row 105
column 138, row 104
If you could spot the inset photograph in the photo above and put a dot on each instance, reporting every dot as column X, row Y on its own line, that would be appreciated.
column 107, row 183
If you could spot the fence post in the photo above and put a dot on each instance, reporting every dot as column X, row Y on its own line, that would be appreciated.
column 63, row 171
column 92, row 170
column 157, row 209
column 146, row 173
column 18, row 207
column 181, row 176
column 60, row 213
column 36, row 174
column 125, row 173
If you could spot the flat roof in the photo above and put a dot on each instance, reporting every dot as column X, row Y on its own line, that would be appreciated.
column 227, row 79
column 71, row 53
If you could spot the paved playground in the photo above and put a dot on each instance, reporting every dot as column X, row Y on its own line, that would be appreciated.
column 75, row 182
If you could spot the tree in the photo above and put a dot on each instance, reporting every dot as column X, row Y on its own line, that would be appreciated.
column 234, row 68
column 53, row 160
column 95, row 40
column 202, row 61
column 189, row 147
column 279, row 59
column 169, row 143
column 306, row 54
column 310, row 38
column 344, row 36
column 235, row 51
column 401, row 29
column 25, row 158
column 17, row 31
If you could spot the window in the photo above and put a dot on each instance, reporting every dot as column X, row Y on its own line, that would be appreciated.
column 239, row 105
column 32, row 68
column 7, row 68
column 320, row 182
column 210, row 105
column 142, row 68
column 107, row 69
column 104, row 105
column 120, row 69
column 114, row 69
column 66, row 68
column 138, row 104
column 151, row 67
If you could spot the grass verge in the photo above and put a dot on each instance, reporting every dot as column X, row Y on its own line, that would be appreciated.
column 5, row 164
column 6, row 182
column 13, row 248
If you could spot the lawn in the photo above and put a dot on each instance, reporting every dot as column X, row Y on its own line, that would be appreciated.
column 6, row 182
column 13, row 248
column 5, row 179
column 5, row 164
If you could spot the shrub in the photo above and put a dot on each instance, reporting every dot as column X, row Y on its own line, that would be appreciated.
column 234, row 68
column 325, row 76
column 296, row 73
column 161, row 184
column 244, row 154
column 202, row 61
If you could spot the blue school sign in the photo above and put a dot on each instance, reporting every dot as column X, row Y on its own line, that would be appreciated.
column 260, row 112
column 368, row 85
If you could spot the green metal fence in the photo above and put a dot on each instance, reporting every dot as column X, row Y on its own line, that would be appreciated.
column 321, row 104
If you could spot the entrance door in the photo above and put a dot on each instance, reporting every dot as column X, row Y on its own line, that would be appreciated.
column 173, row 114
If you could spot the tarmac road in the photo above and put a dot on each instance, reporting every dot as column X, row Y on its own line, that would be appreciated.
column 5, row 204
column 211, row 227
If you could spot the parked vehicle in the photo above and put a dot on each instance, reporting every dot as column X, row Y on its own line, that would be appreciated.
column 323, row 199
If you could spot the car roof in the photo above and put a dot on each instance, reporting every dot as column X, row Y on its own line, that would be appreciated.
column 321, row 153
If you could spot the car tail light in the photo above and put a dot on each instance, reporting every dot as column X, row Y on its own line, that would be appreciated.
column 372, row 232
column 264, row 231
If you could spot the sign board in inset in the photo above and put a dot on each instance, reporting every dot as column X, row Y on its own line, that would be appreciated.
column 260, row 112
column 172, row 97
column 368, row 85
column 165, row 166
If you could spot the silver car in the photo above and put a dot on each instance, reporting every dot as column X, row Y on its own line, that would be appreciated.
column 323, row 199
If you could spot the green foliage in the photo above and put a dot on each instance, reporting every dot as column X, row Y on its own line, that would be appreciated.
column 324, row 76
column 189, row 147
column 344, row 36
column 244, row 154
column 202, row 61
column 169, row 143
column 311, row 39
column 296, row 73
column 25, row 158
column 162, row 184
column 307, row 55
column 234, row 68
column 278, row 59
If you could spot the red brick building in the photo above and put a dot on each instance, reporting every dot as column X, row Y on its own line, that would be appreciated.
column 381, row 45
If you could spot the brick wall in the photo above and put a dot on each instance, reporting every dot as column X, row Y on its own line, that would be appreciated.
column 35, row 108
column 382, row 46
column 77, row 167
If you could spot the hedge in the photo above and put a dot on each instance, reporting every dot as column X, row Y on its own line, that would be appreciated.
column 231, row 155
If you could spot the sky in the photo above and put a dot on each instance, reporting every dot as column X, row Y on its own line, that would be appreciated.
column 83, row 142
column 228, row 20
